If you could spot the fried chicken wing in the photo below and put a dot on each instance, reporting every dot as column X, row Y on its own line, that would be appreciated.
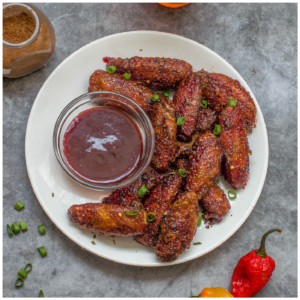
column 187, row 102
column 186, row 149
column 215, row 205
column 103, row 81
column 157, row 73
column 234, row 141
column 162, row 118
column 109, row 219
column 128, row 194
column 205, row 164
column 218, row 89
column 158, row 202
column 178, row 227
column 206, row 120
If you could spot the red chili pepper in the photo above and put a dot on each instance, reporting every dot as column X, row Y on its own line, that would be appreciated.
column 253, row 271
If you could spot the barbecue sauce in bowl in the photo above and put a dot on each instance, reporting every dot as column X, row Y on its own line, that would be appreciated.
column 103, row 145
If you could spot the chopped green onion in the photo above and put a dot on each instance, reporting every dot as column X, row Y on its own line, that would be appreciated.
column 42, row 229
column 232, row 195
column 200, row 219
column 142, row 191
column 19, row 205
column 132, row 213
column 217, row 181
column 15, row 228
column 155, row 98
column 127, row 76
column 93, row 242
column 9, row 231
column 111, row 69
column 204, row 104
column 232, row 103
column 19, row 279
column 23, row 226
column 217, row 129
column 180, row 121
column 22, row 273
column 41, row 294
column 182, row 173
column 166, row 94
column 149, row 218
column 198, row 243
column 42, row 251
column 52, row 194
column 26, row 269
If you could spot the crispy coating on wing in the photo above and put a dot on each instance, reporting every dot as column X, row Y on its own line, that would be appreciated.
column 157, row 73
column 206, row 120
column 187, row 102
column 218, row 89
column 181, row 163
column 215, row 205
column 109, row 219
column 178, row 227
column 162, row 118
column 234, row 141
column 128, row 194
column 104, row 81
column 205, row 164
column 186, row 149
column 158, row 202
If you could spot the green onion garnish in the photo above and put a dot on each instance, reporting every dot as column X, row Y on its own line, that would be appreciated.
column 22, row 273
column 151, row 216
column 15, row 228
column 166, row 94
column 132, row 213
column 204, row 104
column 142, row 191
column 41, row 294
column 23, row 226
column 232, row 103
column 200, row 219
column 111, row 69
column 9, row 231
column 93, row 242
column 232, row 195
column 20, row 284
column 127, row 76
column 217, row 130
column 19, row 205
column 180, row 121
column 217, row 181
column 42, row 229
column 52, row 194
column 182, row 173
column 198, row 243
column 42, row 251
column 26, row 267
column 155, row 98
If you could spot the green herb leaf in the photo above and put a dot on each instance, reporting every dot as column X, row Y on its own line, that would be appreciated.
column 155, row 98
column 132, row 213
column 198, row 243
column 127, row 76
column 232, row 103
column 200, row 219
column 204, row 104
column 217, row 130
column 151, row 216
column 232, row 195
column 180, row 121
column 182, row 173
column 142, row 191
column 111, row 69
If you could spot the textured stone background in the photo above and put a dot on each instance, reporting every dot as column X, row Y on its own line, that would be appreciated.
column 260, row 42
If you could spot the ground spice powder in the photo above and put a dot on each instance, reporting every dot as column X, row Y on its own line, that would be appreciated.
column 18, row 28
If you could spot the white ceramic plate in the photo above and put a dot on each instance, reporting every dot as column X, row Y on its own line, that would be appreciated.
column 68, row 81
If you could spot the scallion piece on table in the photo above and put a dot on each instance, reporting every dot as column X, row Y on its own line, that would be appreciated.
column 198, row 243
column 19, row 205
column 127, row 76
column 151, row 216
column 142, row 191
column 19, row 284
column 15, row 228
column 217, row 130
column 26, row 267
column 23, row 226
column 217, row 181
column 204, row 104
column 41, row 294
column 182, row 173
column 111, row 69
column 166, row 94
column 155, row 98
column 232, row 103
column 132, row 213
column 42, row 251
column 42, row 229
column 9, row 231
column 180, row 121
column 232, row 195
column 22, row 273
column 200, row 219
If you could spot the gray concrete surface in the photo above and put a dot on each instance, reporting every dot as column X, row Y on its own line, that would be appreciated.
column 260, row 42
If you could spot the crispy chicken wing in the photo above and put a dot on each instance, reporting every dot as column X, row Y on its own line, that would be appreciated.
column 215, row 205
column 128, row 194
column 234, row 141
column 157, row 73
column 109, row 219
column 178, row 227
column 186, row 149
column 103, row 81
column 158, row 202
column 205, row 164
column 218, row 89
column 206, row 120
column 162, row 118
column 187, row 101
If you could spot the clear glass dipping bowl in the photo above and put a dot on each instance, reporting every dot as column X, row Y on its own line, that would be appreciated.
column 95, row 99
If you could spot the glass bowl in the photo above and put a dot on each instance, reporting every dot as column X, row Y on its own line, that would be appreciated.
column 117, row 101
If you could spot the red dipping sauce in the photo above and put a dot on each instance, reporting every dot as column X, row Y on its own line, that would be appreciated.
column 103, row 145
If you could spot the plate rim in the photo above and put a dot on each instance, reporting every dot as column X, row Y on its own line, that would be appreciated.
column 213, row 247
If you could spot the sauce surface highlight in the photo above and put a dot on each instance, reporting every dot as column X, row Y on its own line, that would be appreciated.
column 103, row 145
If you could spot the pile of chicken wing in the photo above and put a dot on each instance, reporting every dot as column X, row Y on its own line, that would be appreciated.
column 199, row 135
